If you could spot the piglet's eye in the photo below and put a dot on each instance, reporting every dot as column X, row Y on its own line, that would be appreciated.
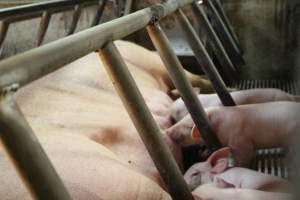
column 195, row 173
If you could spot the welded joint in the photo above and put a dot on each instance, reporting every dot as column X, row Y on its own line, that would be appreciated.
column 154, row 21
column 158, row 12
column 9, row 90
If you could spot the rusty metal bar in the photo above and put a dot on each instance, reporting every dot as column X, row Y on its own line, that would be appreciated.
column 27, row 16
column 37, row 62
column 27, row 154
column 179, row 79
column 227, row 23
column 203, row 59
column 221, row 53
column 75, row 18
column 99, row 13
column 44, row 23
column 4, row 26
column 225, row 36
column 41, row 7
column 144, row 122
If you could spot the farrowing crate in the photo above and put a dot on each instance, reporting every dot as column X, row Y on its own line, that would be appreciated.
column 26, row 67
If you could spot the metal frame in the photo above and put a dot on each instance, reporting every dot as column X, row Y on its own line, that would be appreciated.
column 45, row 10
column 224, row 34
column 219, row 49
column 144, row 122
column 24, row 68
column 204, row 59
column 226, row 21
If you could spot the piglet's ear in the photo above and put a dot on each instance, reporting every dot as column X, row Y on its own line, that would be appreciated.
column 195, row 135
column 219, row 160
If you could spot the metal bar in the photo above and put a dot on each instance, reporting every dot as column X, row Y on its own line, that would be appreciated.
column 144, row 122
column 75, row 18
column 203, row 59
column 37, row 62
column 118, row 6
column 179, row 79
column 228, row 24
column 4, row 26
column 221, row 53
column 44, row 23
column 27, row 16
column 27, row 154
column 225, row 37
column 128, row 7
column 40, row 7
column 99, row 13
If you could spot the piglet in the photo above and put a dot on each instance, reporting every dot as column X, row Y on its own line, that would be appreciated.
column 245, row 128
column 216, row 171
column 252, row 96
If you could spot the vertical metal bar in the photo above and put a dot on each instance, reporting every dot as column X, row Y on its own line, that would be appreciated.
column 27, row 154
column 119, row 6
column 144, row 122
column 128, row 7
column 225, row 36
column 213, row 38
column 3, row 32
column 99, row 12
column 75, row 18
column 227, row 24
column 204, row 59
column 44, row 23
column 179, row 79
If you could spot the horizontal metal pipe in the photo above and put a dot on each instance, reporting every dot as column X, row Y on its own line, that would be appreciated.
column 41, row 61
column 204, row 59
column 221, row 53
column 31, row 65
column 182, row 84
column 225, row 36
column 27, row 16
column 27, row 154
column 23, row 17
column 144, row 123
column 40, row 7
